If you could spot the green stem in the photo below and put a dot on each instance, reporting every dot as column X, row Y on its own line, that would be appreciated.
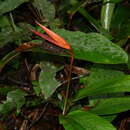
column 12, row 21
column 107, row 13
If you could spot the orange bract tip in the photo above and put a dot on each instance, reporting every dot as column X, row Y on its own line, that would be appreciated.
column 57, row 40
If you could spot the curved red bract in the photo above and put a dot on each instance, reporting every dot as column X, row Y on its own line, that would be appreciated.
column 52, row 37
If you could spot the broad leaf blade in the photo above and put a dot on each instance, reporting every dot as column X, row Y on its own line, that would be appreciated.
column 81, row 120
column 118, row 84
column 94, row 47
column 100, row 73
column 111, row 106
column 47, row 81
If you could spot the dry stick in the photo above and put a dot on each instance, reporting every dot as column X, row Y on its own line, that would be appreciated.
column 68, row 85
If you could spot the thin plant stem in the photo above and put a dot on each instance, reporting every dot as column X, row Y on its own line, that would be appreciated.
column 68, row 85
column 12, row 22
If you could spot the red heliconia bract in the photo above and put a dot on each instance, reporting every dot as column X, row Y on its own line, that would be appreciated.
column 52, row 37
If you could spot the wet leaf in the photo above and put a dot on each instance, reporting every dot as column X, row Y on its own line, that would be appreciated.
column 94, row 47
column 81, row 120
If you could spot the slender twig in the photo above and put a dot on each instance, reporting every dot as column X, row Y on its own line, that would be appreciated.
column 68, row 85
column 74, row 78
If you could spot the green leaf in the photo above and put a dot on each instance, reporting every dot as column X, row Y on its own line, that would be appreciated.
column 118, row 84
column 109, row 118
column 15, row 99
column 111, row 106
column 9, row 5
column 6, row 107
column 100, row 73
column 81, row 120
column 45, row 9
column 4, row 21
column 4, row 89
column 93, row 47
column 47, row 81
column 20, row 36
column 36, row 87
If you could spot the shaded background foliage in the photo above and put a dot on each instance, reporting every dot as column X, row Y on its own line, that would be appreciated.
column 33, row 72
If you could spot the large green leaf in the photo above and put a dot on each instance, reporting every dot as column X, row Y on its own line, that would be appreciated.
column 15, row 99
column 47, row 81
column 118, row 84
column 112, row 106
column 94, row 47
column 9, row 5
column 81, row 120
column 100, row 73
